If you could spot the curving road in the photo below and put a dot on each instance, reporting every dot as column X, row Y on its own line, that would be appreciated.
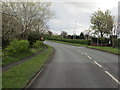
column 79, row 67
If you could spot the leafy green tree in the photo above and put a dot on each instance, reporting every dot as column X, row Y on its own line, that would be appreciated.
column 64, row 34
column 102, row 22
column 82, row 36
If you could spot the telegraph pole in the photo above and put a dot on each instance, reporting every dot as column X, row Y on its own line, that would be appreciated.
column 75, row 29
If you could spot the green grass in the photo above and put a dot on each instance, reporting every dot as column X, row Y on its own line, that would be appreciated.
column 10, row 59
column 18, row 76
column 107, row 49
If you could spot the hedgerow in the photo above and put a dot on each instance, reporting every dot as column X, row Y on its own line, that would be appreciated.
column 78, row 41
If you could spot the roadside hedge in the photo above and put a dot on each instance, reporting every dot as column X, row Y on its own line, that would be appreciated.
column 17, row 46
column 78, row 41
column 38, row 44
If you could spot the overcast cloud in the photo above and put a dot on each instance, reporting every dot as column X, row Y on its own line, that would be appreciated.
column 66, row 13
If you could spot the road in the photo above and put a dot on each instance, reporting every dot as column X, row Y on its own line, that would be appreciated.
column 78, row 67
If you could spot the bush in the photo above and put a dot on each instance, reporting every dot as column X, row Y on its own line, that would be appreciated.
column 79, row 41
column 38, row 44
column 33, row 37
column 5, row 43
column 17, row 46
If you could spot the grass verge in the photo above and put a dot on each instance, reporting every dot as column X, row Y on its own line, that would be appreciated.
column 10, row 59
column 106, row 49
column 20, row 75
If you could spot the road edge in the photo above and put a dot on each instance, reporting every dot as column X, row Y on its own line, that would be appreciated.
column 90, row 48
column 41, row 70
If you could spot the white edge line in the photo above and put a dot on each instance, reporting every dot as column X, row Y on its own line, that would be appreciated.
column 97, row 64
column 112, row 77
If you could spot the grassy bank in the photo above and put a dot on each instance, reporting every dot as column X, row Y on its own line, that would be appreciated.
column 107, row 49
column 20, row 75
column 10, row 59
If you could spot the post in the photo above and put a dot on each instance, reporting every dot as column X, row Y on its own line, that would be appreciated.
column 75, row 29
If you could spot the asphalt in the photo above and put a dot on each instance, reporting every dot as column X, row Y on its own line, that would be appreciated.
column 78, row 67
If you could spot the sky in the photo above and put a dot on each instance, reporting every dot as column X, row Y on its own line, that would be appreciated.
column 66, row 14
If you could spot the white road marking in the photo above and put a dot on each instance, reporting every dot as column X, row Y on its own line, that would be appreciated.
column 87, row 56
column 112, row 77
column 82, row 53
column 98, row 64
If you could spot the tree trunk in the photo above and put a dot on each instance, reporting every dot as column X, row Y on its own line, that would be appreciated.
column 113, row 42
column 101, row 39
column 97, row 42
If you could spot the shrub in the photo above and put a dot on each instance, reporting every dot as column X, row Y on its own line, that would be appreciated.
column 38, row 44
column 79, row 41
column 33, row 37
column 17, row 46
column 5, row 42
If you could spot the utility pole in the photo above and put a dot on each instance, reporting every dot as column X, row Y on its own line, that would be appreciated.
column 60, row 33
column 75, row 29
column 118, row 19
column 74, row 32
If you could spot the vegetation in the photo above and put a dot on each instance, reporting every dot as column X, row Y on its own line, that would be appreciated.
column 82, row 36
column 20, row 19
column 11, row 59
column 102, row 23
column 38, row 44
column 85, row 42
column 64, row 34
column 107, row 49
column 23, row 23
column 19, row 49
column 20, row 75
column 16, row 46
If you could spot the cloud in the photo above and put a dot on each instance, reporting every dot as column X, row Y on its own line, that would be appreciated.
column 66, row 13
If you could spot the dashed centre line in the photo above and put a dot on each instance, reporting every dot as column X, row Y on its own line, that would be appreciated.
column 85, row 54
column 97, row 64
column 112, row 77
column 88, row 56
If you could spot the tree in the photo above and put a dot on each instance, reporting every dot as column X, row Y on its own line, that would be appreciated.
column 114, row 34
column 64, row 34
column 50, row 32
column 82, row 36
column 102, row 22
column 20, row 18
